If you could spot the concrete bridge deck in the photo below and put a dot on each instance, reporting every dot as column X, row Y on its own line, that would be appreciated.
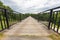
column 28, row 29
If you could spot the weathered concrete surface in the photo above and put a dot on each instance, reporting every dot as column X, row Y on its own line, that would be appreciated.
column 28, row 29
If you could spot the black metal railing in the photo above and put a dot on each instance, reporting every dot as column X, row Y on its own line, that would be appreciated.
column 8, row 18
column 54, row 19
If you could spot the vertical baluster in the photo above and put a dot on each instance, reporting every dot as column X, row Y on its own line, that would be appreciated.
column 6, row 15
column 55, row 20
column 50, row 18
column 58, row 24
column 4, row 19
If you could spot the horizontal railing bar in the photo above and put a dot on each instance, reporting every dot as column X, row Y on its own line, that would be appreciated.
column 52, row 9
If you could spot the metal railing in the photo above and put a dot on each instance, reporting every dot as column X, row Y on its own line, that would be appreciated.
column 54, row 19
column 8, row 18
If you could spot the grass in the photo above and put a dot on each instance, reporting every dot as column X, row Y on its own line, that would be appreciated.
column 0, row 27
column 55, row 36
column 3, row 25
column 1, row 36
column 10, row 23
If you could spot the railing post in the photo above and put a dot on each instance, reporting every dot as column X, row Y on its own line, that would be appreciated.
column 58, row 25
column 20, row 16
column 6, row 18
column 55, row 20
column 3, row 18
column 51, row 11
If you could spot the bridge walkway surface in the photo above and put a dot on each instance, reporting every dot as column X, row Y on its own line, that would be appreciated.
column 28, row 29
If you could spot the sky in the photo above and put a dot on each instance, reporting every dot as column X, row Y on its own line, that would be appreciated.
column 31, row 6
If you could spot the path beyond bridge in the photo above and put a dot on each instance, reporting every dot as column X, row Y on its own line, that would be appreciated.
column 28, row 29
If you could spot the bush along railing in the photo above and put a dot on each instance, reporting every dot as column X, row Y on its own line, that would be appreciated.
column 54, row 19
column 8, row 18
column 3, row 19
column 41, row 16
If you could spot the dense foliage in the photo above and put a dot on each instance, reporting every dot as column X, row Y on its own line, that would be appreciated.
column 41, row 17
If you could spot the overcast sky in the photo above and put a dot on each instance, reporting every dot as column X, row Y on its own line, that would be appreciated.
column 31, row 6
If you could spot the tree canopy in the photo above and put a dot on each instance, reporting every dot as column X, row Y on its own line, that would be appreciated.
column 4, row 6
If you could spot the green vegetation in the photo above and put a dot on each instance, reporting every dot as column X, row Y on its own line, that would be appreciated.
column 1, row 36
column 13, row 17
column 41, row 17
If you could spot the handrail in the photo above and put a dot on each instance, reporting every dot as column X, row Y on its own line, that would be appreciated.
column 52, row 9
